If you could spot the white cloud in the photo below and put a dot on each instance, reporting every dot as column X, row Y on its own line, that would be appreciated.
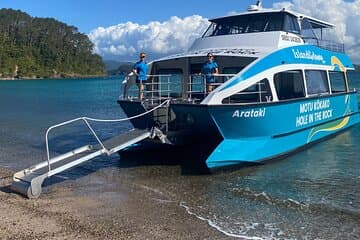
column 124, row 41
column 345, row 15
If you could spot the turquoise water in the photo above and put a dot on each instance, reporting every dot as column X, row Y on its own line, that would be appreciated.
column 313, row 194
column 29, row 107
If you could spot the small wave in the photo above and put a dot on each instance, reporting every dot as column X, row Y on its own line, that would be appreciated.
column 322, row 208
column 219, row 228
column 264, row 197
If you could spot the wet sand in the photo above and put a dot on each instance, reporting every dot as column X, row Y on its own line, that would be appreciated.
column 130, row 212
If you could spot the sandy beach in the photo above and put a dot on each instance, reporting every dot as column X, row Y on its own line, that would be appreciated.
column 61, row 213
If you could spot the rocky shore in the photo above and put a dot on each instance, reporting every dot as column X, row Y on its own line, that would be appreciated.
column 131, row 212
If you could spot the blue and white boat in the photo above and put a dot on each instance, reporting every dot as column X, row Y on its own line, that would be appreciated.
column 282, row 85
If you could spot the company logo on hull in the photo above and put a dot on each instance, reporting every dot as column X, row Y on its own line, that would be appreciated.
column 310, row 55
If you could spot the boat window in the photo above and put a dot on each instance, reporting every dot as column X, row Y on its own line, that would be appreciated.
column 257, row 24
column 170, row 82
column 275, row 23
column 316, row 82
column 291, row 24
column 289, row 84
column 209, row 31
column 259, row 92
column 337, row 81
column 248, row 23
column 307, row 30
column 353, row 79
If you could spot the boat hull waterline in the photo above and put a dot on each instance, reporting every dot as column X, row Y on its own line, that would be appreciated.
column 254, row 133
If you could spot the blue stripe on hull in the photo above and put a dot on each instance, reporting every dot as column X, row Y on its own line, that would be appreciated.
column 236, row 151
column 259, row 132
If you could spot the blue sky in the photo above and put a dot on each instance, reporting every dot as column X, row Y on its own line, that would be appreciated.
column 87, row 15
column 120, row 29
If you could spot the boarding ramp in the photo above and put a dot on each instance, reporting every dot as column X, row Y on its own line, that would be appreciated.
column 28, row 182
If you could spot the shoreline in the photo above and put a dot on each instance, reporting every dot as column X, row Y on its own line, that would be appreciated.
column 133, row 212
column 51, row 78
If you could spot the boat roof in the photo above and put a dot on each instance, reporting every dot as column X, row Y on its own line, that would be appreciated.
column 229, row 52
column 316, row 23
column 246, row 51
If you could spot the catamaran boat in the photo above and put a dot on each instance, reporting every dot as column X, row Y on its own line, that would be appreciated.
column 281, row 85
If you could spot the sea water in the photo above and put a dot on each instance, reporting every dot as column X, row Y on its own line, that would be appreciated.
column 313, row 194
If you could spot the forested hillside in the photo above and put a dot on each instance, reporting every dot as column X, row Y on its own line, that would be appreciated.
column 44, row 47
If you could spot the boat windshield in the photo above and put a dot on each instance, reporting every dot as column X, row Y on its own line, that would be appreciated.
column 250, row 23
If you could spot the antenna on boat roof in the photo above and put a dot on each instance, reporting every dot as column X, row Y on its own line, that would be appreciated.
column 256, row 7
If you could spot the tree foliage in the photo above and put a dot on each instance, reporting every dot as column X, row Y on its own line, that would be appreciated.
column 44, row 47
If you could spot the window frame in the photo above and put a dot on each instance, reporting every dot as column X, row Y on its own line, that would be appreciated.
column 307, row 85
column 344, row 78
column 284, row 97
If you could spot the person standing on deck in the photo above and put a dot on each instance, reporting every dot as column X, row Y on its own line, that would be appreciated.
column 140, row 70
column 210, row 69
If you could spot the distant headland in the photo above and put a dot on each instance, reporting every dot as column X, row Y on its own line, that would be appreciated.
column 44, row 48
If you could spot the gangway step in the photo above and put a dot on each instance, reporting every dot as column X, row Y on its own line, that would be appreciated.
column 29, row 181
column 122, row 141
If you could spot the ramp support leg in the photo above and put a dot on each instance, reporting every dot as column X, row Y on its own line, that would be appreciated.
column 29, row 189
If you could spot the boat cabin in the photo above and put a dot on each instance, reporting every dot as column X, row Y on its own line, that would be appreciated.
column 237, row 41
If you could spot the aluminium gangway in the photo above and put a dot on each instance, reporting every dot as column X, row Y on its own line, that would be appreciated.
column 28, row 182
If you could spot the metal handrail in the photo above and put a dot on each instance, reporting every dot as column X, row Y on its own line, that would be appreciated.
column 152, row 85
column 203, row 83
column 325, row 44
column 87, row 119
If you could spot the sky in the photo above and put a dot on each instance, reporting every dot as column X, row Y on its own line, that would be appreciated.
column 120, row 29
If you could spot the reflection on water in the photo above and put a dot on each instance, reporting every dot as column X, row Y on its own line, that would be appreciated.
column 313, row 194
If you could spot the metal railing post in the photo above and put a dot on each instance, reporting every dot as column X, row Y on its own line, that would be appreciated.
column 152, row 90
column 168, row 88
column 204, row 82
column 190, row 87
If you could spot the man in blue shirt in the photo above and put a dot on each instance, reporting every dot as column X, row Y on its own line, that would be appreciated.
column 209, row 69
column 140, row 70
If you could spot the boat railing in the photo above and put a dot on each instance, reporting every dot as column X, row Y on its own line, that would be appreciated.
column 325, row 44
column 197, row 86
column 159, row 87
column 156, row 88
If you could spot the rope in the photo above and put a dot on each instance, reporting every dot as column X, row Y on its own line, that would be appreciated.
column 129, row 118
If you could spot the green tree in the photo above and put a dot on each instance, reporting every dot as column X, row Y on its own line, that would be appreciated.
column 44, row 47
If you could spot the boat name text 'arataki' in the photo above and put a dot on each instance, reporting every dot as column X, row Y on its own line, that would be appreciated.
column 252, row 113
